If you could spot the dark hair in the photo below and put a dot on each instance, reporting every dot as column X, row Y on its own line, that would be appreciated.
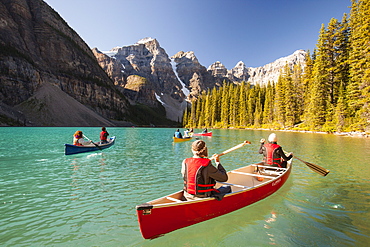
column 103, row 128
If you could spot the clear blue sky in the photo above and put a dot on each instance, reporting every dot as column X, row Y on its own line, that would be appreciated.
column 256, row 32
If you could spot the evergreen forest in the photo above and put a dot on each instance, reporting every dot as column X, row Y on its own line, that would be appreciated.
column 330, row 92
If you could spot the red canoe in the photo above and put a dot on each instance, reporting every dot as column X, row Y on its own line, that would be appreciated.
column 203, row 134
column 173, row 212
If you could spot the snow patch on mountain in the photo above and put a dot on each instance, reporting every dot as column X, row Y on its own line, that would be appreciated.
column 112, row 52
column 174, row 68
column 159, row 99
column 144, row 40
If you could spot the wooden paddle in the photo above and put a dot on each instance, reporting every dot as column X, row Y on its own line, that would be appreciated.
column 233, row 149
column 96, row 145
column 318, row 169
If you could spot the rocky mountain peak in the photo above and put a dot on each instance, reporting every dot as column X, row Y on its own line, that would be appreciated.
column 186, row 55
column 270, row 72
column 147, row 59
column 260, row 75
column 217, row 69
column 239, row 73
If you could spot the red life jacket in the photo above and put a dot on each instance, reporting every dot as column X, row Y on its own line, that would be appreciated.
column 103, row 135
column 193, row 180
column 272, row 158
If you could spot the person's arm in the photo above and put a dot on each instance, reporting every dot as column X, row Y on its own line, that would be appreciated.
column 260, row 151
column 183, row 168
column 282, row 154
column 83, row 142
column 218, row 173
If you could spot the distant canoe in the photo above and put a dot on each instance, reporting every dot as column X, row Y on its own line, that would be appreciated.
column 175, row 139
column 203, row 134
column 73, row 149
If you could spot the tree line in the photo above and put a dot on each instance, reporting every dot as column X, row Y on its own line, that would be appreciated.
column 330, row 92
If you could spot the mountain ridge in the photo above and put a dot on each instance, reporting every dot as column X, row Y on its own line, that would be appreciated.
column 185, row 76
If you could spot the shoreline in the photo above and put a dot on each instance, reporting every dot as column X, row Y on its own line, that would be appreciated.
column 355, row 134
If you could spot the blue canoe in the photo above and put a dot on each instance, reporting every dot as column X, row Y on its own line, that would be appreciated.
column 73, row 149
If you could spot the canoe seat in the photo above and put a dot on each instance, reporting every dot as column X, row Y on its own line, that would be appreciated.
column 236, row 185
column 173, row 199
column 271, row 170
column 251, row 174
column 272, row 167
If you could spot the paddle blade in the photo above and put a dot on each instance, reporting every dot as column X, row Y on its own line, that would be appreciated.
column 316, row 168
column 320, row 170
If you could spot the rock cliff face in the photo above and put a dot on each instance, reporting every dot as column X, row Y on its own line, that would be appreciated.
column 146, row 59
column 112, row 67
column 37, row 47
column 194, row 77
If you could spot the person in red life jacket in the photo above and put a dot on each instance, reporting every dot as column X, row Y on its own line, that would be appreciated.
column 78, row 139
column 103, row 135
column 273, row 153
column 200, row 175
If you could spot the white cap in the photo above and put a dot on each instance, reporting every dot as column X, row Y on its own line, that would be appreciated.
column 272, row 137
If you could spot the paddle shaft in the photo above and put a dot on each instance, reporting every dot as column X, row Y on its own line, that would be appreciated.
column 232, row 149
column 318, row 169
column 96, row 145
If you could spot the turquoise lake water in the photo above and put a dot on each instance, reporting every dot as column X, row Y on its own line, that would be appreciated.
column 50, row 199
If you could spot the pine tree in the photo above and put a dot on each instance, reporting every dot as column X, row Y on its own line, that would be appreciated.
column 318, row 103
column 359, row 60
column 200, row 110
column 289, row 98
column 341, row 111
column 193, row 116
column 214, row 107
column 307, row 86
column 343, row 53
column 279, row 103
column 268, row 110
column 251, row 101
column 258, row 109
column 242, row 104
column 234, row 104
column 225, row 106
column 185, row 119
column 298, row 92
column 207, row 110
